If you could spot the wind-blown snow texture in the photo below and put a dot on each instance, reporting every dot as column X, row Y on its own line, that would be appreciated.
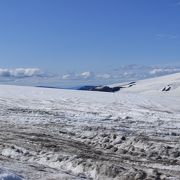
column 68, row 134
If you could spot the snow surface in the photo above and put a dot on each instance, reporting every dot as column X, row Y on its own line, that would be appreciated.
column 73, row 134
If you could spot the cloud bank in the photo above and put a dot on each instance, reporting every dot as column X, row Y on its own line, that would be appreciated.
column 161, row 71
column 122, row 73
column 126, row 73
column 19, row 72
column 79, row 76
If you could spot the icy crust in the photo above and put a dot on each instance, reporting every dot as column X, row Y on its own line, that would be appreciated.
column 64, row 134
column 7, row 175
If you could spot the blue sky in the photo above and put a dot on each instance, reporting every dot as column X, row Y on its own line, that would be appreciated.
column 67, row 36
column 87, row 41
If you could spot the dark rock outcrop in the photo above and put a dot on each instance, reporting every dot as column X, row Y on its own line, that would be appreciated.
column 106, row 88
column 167, row 88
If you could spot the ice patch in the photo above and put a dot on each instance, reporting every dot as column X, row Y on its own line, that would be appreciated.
column 6, row 175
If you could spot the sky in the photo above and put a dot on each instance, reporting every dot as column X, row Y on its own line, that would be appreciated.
column 73, row 36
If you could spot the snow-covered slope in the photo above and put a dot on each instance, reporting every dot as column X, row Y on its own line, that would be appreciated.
column 153, row 89
column 71, row 134
column 155, row 85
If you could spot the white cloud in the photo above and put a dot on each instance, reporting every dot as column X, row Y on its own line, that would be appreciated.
column 78, row 76
column 86, row 75
column 66, row 76
column 126, row 74
column 19, row 72
column 163, row 71
column 104, row 76
column 166, row 36
column 5, row 73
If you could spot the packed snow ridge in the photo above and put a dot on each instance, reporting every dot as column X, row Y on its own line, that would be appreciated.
column 69, row 134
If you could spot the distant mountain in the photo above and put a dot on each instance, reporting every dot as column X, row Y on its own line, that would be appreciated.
column 87, row 88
